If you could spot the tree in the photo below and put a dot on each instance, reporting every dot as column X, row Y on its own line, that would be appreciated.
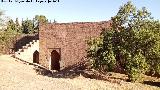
column 54, row 21
column 1, row 19
column 28, row 27
column 31, row 26
column 11, row 26
column 17, row 26
column 132, row 44
column 6, row 35
column 39, row 19
column 1, row 33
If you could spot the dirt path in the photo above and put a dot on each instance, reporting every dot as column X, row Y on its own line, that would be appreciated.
column 18, row 76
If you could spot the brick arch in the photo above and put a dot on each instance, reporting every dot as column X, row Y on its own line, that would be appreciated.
column 36, row 57
column 55, row 58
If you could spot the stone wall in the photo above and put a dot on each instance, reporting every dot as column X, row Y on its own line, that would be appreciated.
column 69, row 39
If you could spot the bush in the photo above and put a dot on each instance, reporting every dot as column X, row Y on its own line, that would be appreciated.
column 133, row 43
column 6, row 41
column 101, row 54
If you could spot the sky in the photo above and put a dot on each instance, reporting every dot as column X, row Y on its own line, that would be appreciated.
column 75, row 10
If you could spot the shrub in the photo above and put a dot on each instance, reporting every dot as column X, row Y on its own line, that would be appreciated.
column 132, row 42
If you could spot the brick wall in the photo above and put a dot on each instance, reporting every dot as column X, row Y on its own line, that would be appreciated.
column 69, row 39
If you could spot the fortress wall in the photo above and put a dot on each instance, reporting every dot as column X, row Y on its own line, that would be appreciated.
column 69, row 40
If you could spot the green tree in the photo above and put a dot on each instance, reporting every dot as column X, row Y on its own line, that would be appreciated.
column 32, row 26
column 39, row 19
column 28, row 27
column 132, row 43
column 11, row 26
column 6, row 34
column 17, row 26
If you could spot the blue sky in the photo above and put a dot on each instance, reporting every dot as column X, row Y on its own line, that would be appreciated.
column 75, row 10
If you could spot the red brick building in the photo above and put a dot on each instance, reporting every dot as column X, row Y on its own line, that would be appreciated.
column 64, row 44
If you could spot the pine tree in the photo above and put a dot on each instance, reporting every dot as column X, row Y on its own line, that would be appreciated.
column 17, row 26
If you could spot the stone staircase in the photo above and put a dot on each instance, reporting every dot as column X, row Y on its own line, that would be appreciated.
column 26, row 53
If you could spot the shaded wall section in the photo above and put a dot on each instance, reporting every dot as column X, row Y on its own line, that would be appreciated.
column 69, row 39
column 16, row 42
column 22, row 40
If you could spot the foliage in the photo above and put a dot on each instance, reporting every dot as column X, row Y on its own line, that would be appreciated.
column 132, row 42
column 6, row 35
column 32, row 26
column 9, row 29
column 101, row 55
column 39, row 19
column 11, row 26
column 1, row 19
column 28, row 27
column 17, row 26
column 6, row 40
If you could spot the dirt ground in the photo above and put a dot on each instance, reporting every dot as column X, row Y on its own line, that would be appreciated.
column 19, row 76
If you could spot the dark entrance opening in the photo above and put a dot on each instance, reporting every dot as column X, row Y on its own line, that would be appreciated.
column 36, row 57
column 55, row 58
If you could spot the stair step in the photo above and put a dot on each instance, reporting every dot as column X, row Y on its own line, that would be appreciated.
column 24, row 47
column 34, row 40
column 37, row 41
column 31, row 43
column 17, row 53
column 20, row 50
column 26, row 53
column 28, row 45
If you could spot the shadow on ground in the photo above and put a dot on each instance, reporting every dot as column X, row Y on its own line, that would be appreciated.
column 152, row 83
column 74, row 71
column 85, row 71
column 82, row 69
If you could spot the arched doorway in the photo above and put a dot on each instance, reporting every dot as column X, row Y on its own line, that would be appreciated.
column 55, row 58
column 36, row 57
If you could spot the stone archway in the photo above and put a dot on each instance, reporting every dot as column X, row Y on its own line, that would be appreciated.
column 36, row 57
column 55, row 58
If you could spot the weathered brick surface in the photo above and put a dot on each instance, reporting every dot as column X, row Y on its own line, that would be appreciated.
column 69, row 38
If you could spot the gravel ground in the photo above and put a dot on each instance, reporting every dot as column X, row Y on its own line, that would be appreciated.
column 18, row 76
